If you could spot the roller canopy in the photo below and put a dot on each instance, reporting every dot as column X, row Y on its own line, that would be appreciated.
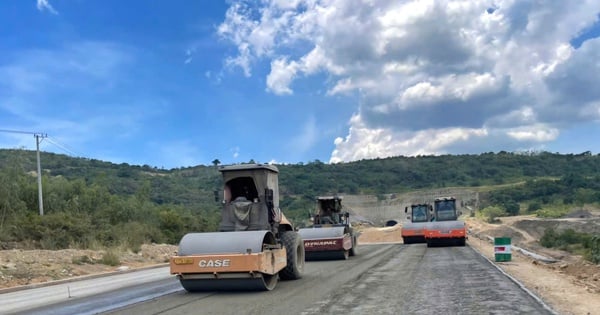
column 265, row 176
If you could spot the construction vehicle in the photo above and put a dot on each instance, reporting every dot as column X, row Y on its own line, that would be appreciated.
column 255, row 246
column 331, row 235
column 413, row 230
column 445, row 229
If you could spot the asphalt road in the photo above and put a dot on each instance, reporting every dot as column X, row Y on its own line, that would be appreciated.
column 90, row 296
column 382, row 279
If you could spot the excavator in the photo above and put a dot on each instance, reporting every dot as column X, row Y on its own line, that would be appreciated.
column 413, row 230
column 256, row 245
column 446, row 228
column 331, row 235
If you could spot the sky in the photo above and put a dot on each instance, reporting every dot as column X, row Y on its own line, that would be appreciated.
column 181, row 83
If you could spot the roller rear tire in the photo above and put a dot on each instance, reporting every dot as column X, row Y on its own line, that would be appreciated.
column 294, row 246
column 354, row 250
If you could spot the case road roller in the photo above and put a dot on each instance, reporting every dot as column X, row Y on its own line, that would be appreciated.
column 413, row 230
column 445, row 229
column 255, row 246
column 331, row 235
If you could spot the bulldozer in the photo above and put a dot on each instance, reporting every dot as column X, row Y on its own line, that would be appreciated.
column 446, row 228
column 256, row 245
column 331, row 235
column 413, row 230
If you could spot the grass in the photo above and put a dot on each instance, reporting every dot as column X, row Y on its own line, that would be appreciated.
column 553, row 211
column 80, row 260
column 110, row 258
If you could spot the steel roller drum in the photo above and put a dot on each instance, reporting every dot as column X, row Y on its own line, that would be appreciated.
column 446, row 225
column 324, row 232
column 261, row 283
column 224, row 242
column 328, row 255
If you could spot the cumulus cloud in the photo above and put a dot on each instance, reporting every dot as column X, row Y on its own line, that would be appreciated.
column 432, row 76
column 45, row 5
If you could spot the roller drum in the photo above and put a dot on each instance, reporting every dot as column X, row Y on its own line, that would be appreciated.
column 323, row 232
column 261, row 283
column 328, row 255
column 224, row 242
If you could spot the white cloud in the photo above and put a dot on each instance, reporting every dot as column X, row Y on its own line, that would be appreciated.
column 364, row 142
column 189, row 54
column 431, row 75
column 282, row 73
column 538, row 133
column 45, row 5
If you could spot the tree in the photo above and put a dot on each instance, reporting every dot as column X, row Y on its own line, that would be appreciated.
column 512, row 208
column 492, row 213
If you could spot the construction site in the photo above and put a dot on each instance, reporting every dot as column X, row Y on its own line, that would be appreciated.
column 567, row 283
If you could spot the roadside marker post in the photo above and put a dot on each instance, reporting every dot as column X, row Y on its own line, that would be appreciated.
column 502, row 249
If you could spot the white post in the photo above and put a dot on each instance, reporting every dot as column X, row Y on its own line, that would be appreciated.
column 39, row 174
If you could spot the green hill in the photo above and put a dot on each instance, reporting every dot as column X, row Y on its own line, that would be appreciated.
column 89, row 202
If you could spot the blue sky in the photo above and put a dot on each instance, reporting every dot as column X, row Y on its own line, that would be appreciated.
column 180, row 83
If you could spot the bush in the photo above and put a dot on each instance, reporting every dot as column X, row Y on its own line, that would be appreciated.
column 552, row 212
column 574, row 242
column 512, row 208
column 594, row 253
column 534, row 206
column 491, row 214
column 132, row 235
column 110, row 258
column 549, row 239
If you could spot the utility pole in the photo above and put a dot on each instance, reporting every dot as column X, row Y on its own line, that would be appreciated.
column 38, row 138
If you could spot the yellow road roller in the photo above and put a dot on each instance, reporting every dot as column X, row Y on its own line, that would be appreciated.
column 255, row 246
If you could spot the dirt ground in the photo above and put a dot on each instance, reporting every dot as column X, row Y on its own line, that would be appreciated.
column 33, row 267
column 570, row 285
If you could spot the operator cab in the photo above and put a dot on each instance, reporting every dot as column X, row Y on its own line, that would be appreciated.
column 240, row 189
column 329, row 211
column 445, row 209
column 419, row 213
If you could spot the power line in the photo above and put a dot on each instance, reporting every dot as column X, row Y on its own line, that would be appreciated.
column 22, row 132
column 44, row 136
column 62, row 146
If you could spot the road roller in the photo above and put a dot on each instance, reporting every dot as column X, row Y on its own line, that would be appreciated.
column 413, row 229
column 256, row 245
column 445, row 229
column 330, row 235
